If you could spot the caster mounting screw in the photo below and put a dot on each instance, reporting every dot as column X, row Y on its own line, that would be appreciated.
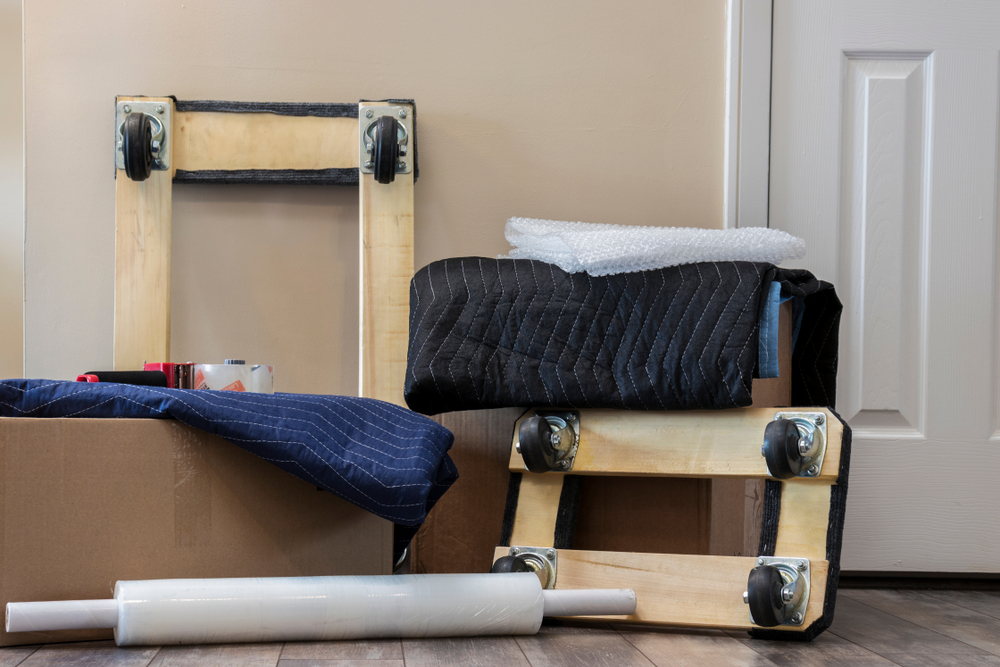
column 127, row 109
column 551, row 554
column 762, row 451
column 400, row 165
column 571, row 417
column 159, row 108
column 514, row 551
column 760, row 561
column 819, row 419
column 369, row 164
column 746, row 597
column 796, row 618
column 402, row 113
column 158, row 161
column 369, row 113
column 803, row 564
column 812, row 471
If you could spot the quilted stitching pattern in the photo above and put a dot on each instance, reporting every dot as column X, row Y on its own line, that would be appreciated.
column 488, row 333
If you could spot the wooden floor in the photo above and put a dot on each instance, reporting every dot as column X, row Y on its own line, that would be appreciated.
column 873, row 627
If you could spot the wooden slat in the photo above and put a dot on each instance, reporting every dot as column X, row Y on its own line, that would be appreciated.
column 386, row 270
column 537, row 505
column 722, row 443
column 216, row 140
column 676, row 589
column 142, row 265
column 804, row 519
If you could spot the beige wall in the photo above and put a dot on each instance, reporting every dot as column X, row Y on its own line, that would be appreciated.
column 595, row 111
column 11, row 192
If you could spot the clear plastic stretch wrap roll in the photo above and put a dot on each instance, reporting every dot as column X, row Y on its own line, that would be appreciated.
column 206, row 611
column 212, row 611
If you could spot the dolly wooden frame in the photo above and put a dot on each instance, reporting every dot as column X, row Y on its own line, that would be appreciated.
column 674, row 589
column 259, row 142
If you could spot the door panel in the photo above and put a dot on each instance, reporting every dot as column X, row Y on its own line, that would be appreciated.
column 884, row 157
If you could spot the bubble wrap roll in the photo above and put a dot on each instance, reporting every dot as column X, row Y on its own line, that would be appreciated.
column 603, row 250
column 205, row 611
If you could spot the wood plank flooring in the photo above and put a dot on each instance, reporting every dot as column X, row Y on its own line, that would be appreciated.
column 872, row 628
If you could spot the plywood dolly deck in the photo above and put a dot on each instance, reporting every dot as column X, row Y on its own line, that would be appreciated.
column 790, row 587
column 372, row 145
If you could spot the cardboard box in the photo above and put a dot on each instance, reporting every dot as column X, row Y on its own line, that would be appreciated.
column 86, row 502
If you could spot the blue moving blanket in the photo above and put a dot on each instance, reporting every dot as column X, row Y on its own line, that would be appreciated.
column 379, row 456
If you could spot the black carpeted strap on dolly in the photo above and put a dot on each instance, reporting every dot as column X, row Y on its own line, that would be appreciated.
column 569, row 506
column 265, row 176
column 510, row 508
column 834, row 540
column 329, row 110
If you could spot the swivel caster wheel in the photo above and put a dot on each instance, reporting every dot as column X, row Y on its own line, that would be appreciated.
column 781, row 449
column 528, row 559
column 778, row 591
column 509, row 564
column 535, row 445
column 137, row 146
column 385, row 149
column 764, row 596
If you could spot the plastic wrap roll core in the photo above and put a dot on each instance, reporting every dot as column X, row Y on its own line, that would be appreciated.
column 215, row 611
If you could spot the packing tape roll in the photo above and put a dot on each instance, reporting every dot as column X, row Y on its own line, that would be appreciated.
column 258, row 378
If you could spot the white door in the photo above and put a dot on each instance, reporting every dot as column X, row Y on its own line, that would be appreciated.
column 884, row 150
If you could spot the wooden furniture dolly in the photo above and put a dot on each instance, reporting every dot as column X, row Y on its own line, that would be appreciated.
column 369, row 144
column 790, row 587
column 372, row 145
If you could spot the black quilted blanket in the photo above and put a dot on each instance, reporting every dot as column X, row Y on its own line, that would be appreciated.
column 489, row 333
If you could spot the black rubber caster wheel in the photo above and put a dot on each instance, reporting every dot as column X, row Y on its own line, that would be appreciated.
column 764, row 596
column 535, row 438
column 781, row 449
column 509, row 564
column 137, row 146
column 386, row 149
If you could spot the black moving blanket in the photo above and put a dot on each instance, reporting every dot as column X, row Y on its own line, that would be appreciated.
column 490, row 333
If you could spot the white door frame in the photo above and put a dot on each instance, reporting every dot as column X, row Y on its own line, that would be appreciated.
column 748, row 114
